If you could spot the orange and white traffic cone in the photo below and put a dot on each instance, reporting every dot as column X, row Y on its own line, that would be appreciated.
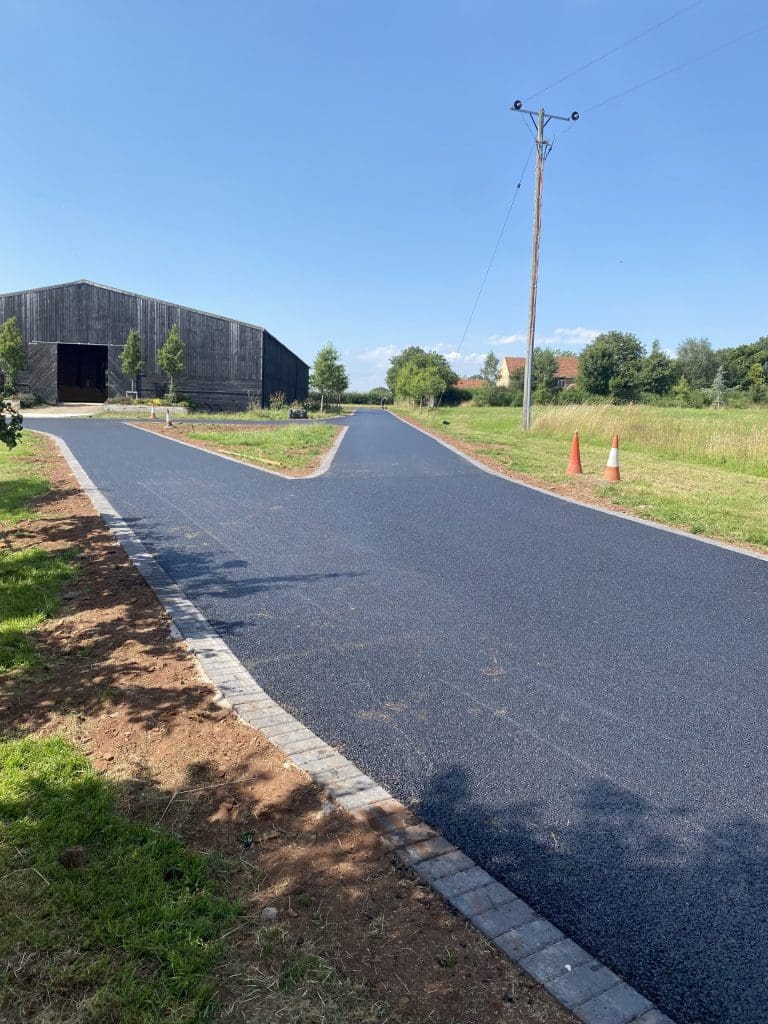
column 574, row 463
column 612, row 468
column 152, row 413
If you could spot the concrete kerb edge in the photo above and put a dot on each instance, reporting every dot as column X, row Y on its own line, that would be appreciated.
column 576, row 980
column 626, row 516
column 324, row 466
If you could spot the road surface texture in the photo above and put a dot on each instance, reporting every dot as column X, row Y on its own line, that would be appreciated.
column 577, row 701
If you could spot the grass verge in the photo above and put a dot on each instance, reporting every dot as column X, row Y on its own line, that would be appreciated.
column 132, row 935
column 20, row 479
column 299, row 447
column 31, row 579
column 667, row 475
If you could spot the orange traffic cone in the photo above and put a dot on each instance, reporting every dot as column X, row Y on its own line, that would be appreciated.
column 612, row 468
column 574, row 463
column 152, row 414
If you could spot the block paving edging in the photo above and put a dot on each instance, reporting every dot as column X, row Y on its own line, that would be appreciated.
column 578, row 981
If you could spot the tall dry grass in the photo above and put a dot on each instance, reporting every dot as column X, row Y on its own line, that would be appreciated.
column 735, row 438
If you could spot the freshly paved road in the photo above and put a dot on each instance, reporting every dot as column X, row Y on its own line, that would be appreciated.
column 577, row 701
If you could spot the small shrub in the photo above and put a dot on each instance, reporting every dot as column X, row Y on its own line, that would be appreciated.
column 10, row 425
column 277, row 401
column 28, row 400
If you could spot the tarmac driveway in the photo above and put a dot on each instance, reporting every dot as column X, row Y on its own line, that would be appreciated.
column 577, row 701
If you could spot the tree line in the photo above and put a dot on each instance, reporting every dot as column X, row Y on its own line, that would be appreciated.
column 615, row 367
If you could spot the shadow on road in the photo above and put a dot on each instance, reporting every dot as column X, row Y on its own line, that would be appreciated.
column 625, row 875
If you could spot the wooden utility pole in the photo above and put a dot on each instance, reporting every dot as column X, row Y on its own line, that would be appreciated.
column 542, row 152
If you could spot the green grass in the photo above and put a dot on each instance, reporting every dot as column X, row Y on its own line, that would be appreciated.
column 296, row 447
column 31, row 579
column 705, row 471
column 20, row 480
column 134, row 936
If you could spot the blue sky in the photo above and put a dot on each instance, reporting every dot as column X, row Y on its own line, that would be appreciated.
column 341, row 170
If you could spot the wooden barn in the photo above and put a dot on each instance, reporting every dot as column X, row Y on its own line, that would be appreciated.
column 74, row 334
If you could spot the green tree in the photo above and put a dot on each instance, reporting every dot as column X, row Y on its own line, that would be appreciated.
column 170, row 359
column 697, row 361
column 13, row 358
column 544, row 374
column 610, row 365
column 328, row 375
column 423, row 360
column 376, row 395
column 719, row 388
column 130, row 358
column 682, row 392
column 490, row 369
column 420, row 383
column 10, row 425
column 657, row 373
column 738, row 361
column 756, row 381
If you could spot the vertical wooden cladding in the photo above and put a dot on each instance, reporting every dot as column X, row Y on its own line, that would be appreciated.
column 283, row 371
column 222, row 357
column 215, row 348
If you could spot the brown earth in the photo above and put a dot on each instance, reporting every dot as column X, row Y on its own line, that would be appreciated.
column 114, row 681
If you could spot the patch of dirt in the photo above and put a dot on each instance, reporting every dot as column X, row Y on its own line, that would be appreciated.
column 183, row 432
column 114, row 681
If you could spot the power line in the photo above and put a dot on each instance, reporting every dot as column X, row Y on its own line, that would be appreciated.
column 496, row 247
column 615, row 49
column 677, row 67
column 662, row 74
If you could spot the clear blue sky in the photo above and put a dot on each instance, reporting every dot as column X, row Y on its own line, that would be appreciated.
column 340, row 170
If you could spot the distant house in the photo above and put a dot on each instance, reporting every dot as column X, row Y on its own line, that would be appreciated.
column 508, row 366
column 470, row 382
column 567, row 370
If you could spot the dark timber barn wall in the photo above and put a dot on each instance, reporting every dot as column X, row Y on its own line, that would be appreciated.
column 227, row 363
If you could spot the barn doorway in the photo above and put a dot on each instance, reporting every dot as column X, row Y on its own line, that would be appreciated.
column 82, row 371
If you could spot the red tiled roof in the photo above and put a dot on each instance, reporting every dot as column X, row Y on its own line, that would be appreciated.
column 567, row 366
column 470, row 382
column 514, row 362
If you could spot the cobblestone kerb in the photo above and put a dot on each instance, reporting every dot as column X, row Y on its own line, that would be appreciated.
column 592, row 992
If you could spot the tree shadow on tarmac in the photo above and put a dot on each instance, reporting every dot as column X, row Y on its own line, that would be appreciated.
column 679, row 911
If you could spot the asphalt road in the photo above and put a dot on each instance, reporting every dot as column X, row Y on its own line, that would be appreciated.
column 577, row 701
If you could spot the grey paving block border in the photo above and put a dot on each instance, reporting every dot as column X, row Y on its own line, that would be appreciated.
column 579, row 982
column 626, row 516
column 324, row 466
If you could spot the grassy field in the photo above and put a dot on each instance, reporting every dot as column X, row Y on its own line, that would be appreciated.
column 132, row 935
column 31, row 580
column 297, row 447
column 705, row 471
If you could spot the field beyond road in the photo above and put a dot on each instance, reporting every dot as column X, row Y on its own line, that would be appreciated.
column 701, row 470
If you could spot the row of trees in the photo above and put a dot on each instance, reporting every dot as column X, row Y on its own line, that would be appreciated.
column 616, row 366
column 170, row 359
